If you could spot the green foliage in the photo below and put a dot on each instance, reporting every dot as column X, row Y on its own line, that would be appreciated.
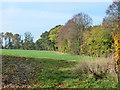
column 44, row 43
column 8, row 40
column 38, row 44
column 66, row 46
column 16, row 40
column 53, row 35
column 28, row 44
column 97, row 42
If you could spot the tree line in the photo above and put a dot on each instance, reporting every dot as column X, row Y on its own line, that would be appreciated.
column 76, row 37
column 47, row 41
column 14, row 41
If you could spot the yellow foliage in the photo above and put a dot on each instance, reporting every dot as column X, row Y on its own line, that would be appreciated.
column 117, row 47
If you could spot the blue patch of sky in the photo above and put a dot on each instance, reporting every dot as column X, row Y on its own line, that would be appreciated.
column 37, row 17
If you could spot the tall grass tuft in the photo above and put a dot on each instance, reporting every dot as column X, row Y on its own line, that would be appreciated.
column 98, row 68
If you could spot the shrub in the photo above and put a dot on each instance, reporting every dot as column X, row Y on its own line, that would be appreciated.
column 98, row 68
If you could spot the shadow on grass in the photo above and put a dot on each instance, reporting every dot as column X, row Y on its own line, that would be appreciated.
column 43, row 73
column 46, row 73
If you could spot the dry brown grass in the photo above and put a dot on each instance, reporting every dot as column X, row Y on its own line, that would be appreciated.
column 99, row 67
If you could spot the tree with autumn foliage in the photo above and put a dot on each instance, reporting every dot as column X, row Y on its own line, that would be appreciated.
column 53, row 36
column 113, row 12
column 8, row 40
column 71, row 35
column 97, row 42
column 16, row 40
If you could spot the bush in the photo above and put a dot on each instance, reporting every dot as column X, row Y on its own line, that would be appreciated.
column 98, row 68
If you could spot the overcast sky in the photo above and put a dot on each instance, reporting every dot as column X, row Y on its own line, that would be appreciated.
column 37, row 17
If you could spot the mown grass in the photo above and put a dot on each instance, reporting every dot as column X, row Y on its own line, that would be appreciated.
column 42, row 54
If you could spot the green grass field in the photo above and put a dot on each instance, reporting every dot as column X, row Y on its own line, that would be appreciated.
column 47, row 73
column 42, row 54
column 47, row 69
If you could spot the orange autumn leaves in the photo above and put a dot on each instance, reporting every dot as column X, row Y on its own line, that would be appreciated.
column 117, row 46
